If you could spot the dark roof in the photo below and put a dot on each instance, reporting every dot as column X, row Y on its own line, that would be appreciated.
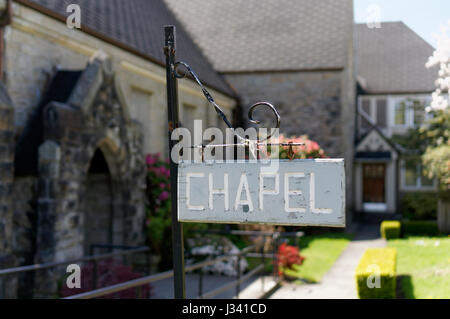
column 269, row 35
column 59, row 90
column 373, row 155
column 137, row 26
column 384, row 137
column 391, row 59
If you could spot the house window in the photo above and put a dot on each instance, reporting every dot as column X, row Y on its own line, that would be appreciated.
column 374, row 109
column 411, row 176
column 410, row 112
column 366, row 108
column 400, row 113
column 425, row 180
column 381, row 112
column 419, row 114
column 414, row 176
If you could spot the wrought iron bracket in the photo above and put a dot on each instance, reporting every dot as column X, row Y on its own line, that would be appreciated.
column 243, row 141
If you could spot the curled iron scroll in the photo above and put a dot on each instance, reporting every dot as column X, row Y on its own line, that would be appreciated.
column 274, row 110
column 219, row 110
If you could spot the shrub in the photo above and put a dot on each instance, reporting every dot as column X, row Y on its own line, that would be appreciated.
column 159, row 206
column 287, row 257
column 159, row 203
column 436, row 159
column 377, row 263
column 426, row 228
column 310, row 149
column 419, row 206
column 390, row 229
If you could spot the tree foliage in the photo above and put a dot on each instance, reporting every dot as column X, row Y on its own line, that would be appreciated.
column 437, row 155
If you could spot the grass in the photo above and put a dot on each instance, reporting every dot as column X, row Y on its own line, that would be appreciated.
column 320, row 252
column 423, row 266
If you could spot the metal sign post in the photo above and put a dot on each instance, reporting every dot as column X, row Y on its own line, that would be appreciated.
column 172, row 105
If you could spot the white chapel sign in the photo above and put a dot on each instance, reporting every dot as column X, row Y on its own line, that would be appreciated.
column 298, row 192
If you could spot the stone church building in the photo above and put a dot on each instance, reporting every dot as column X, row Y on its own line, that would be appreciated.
column 79, row 110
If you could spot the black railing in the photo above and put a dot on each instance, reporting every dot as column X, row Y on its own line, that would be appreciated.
column 22, row 269
column 246, row 252
column 126, row 251
column 169, row 274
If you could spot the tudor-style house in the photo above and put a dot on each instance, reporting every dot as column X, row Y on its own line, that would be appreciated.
column 394, row 88
column 314, row 64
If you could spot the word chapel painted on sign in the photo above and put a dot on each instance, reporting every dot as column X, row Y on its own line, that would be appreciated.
column 299, row 192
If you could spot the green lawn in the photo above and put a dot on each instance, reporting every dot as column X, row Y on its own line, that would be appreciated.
column 320, row 251
column 423, row 265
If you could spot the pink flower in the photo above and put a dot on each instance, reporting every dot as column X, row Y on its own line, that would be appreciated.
column 164, row 171
column 162, row 185
column 312, row 146
column 164, row 195
column 150, row 160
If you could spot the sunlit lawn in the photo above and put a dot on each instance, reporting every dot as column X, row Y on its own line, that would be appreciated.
column 320, row 252
column 423, row 265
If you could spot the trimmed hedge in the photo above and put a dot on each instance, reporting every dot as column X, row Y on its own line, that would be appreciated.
column 390, row 229
column 426, row 228
column 374, row 262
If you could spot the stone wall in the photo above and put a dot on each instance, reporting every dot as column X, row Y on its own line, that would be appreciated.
column 91, row 121
column 98, row 212
column 30, row 62
column 25, row 199
column 37, row 45
column 7, row 260
column 308, row 103
column 24, row 229
column 348, row 126
column 318, row 104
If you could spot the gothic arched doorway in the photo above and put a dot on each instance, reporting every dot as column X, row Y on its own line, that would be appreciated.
column 98, row 204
